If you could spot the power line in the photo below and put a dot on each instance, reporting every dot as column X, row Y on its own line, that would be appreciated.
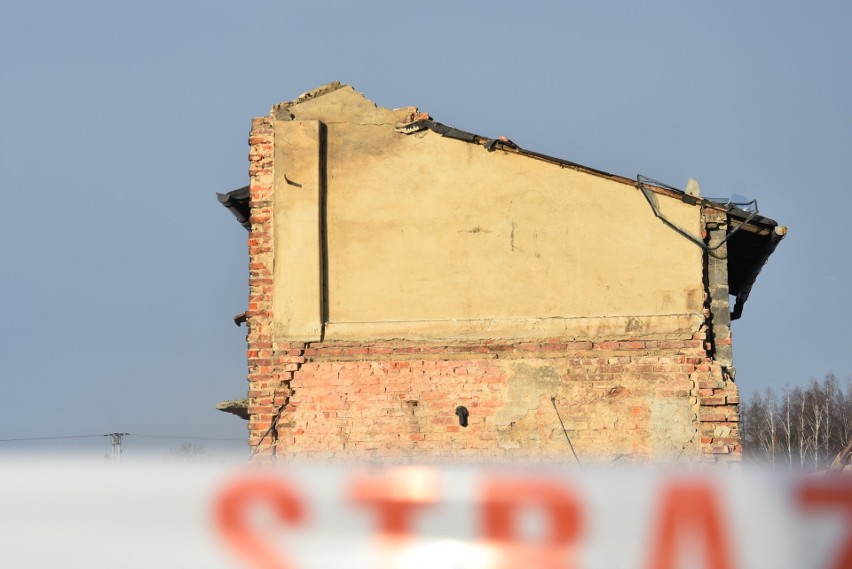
column 50, row 438
column 127, row 434
column 186, row 437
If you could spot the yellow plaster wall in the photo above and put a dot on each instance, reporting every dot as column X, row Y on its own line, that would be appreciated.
column 437, row 235
column 297, row 299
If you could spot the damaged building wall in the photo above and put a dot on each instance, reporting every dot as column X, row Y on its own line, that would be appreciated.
column 395, row 277
column 430, row 237
column 615, row 399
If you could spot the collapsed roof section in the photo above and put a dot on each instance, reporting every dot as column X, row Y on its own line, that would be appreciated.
column 751, row 238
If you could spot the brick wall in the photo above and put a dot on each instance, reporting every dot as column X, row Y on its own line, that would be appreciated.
column 718, row 394
column 393, row 398
column 619, row 399
column 267, row 383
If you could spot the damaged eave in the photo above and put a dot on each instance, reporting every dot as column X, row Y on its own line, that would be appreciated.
column 751, row 238
column 748, row 251
column 501, row 143
column 237, row 202
column 504, row 144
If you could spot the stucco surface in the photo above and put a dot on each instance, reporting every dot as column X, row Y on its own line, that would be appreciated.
column 426, row 229
column 297, row 302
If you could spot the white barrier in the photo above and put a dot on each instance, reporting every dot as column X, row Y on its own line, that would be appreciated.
column 460, row 517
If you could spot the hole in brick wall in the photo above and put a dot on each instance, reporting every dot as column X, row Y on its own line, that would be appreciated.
column 462, row 413
column 412, row 403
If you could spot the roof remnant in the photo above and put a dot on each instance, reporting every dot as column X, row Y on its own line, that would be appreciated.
column 238, row 407
column 747, row 254
column 237, row 201
column 751, row 239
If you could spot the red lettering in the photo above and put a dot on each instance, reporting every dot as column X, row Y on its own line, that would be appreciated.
column 689, row 514
column 504, row 500
column 831, row 493
column 395, row 497
column 238, row 499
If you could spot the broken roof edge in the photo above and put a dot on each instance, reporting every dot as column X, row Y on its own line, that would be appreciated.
column 506, row 145
column 417, row 121
column 282, row 107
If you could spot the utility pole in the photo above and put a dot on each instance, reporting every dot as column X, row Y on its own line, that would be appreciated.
column 116, row 439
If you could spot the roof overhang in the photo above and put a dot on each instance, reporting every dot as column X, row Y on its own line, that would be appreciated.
column 237, row 202
column 748, row 250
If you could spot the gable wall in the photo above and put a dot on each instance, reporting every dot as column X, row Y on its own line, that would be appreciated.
column 411, row 310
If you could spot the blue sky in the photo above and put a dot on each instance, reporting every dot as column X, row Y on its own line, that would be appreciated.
column 119, row 122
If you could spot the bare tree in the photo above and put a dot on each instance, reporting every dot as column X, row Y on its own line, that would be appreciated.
column 760, row 426
column 787, row 427
column 187, row 451
column 804, row 429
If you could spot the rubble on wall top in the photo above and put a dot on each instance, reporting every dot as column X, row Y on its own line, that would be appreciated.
column 282, row 107
column 346, row 105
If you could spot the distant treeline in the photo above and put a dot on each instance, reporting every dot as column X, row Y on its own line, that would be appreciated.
column 799, row 429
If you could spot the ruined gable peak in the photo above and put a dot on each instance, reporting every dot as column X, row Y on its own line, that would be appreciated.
column 338, row 102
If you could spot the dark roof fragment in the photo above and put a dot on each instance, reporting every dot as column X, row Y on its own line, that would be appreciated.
column 237, row 201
